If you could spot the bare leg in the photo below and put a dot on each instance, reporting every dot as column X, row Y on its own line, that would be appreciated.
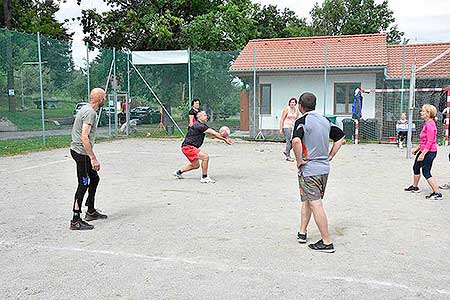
column 433, row 184
column 416, row 180
column 192, row 166
column 204, row 157
column 321, row 220
column 305, row 217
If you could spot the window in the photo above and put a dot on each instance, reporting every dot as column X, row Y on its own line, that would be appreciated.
column 266, row 99
column 343, row 97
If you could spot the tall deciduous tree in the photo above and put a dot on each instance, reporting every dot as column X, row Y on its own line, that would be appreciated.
column 342, row 17
column 32, row 16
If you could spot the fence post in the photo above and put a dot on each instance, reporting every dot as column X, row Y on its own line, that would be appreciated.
column 128, row 98
column 412, row 86
column 116, row 129
column 41, row 86
column 447, row 117
column 87, row 73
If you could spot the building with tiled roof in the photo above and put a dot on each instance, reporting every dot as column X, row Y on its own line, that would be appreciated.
column 331, row 67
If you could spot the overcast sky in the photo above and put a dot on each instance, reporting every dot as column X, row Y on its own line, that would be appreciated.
column 421, row 20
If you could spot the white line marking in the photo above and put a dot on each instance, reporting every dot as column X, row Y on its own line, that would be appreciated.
column 136, row 255
column 223, row 267
column 35, row 167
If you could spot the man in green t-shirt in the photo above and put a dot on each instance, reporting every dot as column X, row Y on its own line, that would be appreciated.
column 81, row 149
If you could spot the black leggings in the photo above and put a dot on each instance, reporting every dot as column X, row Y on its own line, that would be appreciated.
column 426, row 164
column 88, row 180
column 402, row 135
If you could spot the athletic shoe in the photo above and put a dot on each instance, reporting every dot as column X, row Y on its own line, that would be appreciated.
column 301, row 237
column 289, row 158
column 414, row 189
column 80, row 225
column 434, row 196
column 178, row 176
column 95, row 215
column 320, row 246
column 207, row 180
column 445, row 186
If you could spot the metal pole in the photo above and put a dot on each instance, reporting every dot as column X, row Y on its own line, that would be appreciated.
column 447, row 118
column 87, row 73
column 254, row 91
column 403, row 74
column 325, row 80
column 127, row 105
column 116, row 129
column 189, row 77
column 106, row 92
column 412, row 85
column 21, row 83
column 42, row 87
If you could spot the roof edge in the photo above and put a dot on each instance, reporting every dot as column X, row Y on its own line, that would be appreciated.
column 319, row 37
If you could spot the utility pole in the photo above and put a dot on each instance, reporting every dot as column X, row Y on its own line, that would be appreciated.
column 9, row 56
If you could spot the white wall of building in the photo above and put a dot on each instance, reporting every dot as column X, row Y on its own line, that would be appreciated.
column 285, row 87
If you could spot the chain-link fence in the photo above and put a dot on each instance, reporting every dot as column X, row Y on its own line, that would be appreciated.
column 158, row 94
column 246, row 90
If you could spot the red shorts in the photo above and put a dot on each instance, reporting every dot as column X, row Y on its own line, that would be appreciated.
column 191, row 152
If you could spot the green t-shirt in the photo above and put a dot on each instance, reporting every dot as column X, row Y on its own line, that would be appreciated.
column 86, row 115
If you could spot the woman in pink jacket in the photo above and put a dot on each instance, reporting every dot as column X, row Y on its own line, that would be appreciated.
column 426, row 152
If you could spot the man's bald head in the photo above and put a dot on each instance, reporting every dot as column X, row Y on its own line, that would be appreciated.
column 97, row 97
column 202, row 116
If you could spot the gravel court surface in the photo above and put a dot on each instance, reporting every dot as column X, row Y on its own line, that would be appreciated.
column 235, row 239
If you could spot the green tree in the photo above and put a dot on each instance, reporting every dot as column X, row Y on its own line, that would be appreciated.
column 273, row 23
column 32, row 16
column 342, row 17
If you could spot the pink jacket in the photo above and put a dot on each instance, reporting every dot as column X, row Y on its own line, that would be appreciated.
column 428, row 136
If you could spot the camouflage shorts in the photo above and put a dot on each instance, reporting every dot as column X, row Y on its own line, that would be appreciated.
column 312, row 187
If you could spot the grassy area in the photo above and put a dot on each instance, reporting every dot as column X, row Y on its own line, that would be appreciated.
column 34, row 144
column 21, row 146
column 27, row 121
column 30, row 119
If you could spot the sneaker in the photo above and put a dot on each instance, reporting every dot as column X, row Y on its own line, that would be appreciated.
column 289, row 158
column 95, row 215
column 320, row 246
column 434, row 196
column 414, row 189
column 445, row 186
column 80, row 225
column 207, row 180
column 301, row 237
column 178, row 176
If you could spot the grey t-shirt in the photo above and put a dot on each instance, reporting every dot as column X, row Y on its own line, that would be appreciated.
column 86, row 115
column 315, row 131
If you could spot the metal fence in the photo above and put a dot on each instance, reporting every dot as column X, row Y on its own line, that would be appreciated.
column 45, row 81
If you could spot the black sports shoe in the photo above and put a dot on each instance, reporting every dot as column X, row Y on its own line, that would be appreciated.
column 320, row 246
column 95, row 215
column 434, row 196
column 301, row 237
column 80, row 225
column 411, row 188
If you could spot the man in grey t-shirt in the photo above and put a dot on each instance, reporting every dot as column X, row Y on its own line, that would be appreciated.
column 310, row 141
column 81, row 149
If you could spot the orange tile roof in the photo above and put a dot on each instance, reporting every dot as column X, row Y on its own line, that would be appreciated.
column 420, row 54
column 347, row 51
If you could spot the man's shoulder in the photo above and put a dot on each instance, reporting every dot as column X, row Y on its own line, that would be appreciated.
column 200, row 126
column 301, row 120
